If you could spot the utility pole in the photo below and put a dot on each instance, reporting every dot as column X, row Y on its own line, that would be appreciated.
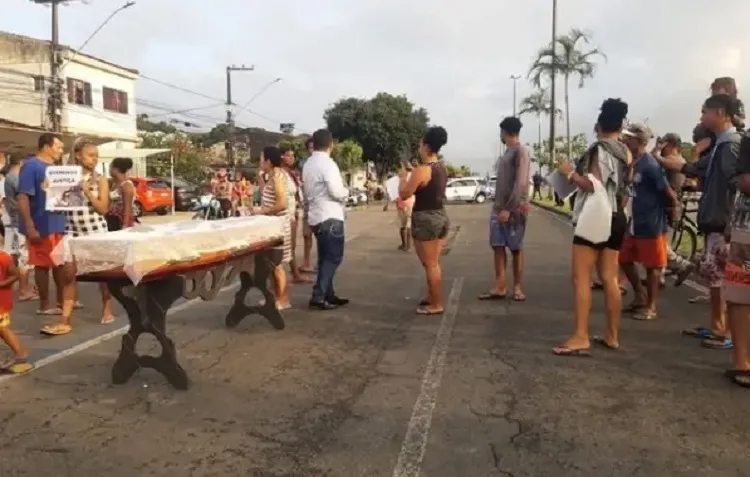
column 54, row 99
column 552, row 97
column 229, row 144
column 515, row 102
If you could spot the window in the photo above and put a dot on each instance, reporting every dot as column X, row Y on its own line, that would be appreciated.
column 115, row 100
column 79, row 92
column 38, row 83
column 460, row 184
column 157, row 184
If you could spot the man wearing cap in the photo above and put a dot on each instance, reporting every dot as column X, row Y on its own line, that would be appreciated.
column 669, row 147
column 646, row 241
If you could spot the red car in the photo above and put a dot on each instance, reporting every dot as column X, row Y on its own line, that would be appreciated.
column 152, row 195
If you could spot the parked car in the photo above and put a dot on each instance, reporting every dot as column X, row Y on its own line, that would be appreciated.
column 185, row 193
column 490, row 187
column 152, row 195
column 467, row 189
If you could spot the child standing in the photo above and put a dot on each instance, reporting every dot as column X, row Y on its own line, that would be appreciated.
column 19, row 364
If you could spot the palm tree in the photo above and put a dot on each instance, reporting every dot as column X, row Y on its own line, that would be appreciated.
column 538, row 104
column 570, row 61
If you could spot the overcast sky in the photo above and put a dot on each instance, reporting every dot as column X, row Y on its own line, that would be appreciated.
column 453, row 58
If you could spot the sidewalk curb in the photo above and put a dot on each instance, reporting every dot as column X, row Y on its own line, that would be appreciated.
column 552, row 209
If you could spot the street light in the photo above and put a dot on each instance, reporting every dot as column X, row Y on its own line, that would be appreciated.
column 261, row 91
column 515, row 79
column 552, row 96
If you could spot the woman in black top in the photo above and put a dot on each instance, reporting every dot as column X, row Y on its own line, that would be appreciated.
column 429, row 221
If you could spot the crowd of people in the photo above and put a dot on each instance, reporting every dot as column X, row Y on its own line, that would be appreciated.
column 639, row 187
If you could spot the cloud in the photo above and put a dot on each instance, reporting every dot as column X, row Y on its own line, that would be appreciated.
column 454, row 58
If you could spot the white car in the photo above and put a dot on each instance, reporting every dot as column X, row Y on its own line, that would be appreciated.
column 467, row 189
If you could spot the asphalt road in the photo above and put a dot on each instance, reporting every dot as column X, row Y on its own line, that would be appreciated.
column 373, row 390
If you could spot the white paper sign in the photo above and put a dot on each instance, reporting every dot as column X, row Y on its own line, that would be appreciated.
column 560, row 184
column 391, row 187
column 63, row 184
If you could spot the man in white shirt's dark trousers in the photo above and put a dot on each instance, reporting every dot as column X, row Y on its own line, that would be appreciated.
column 326, row 195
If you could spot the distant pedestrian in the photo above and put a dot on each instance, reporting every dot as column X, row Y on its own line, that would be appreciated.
column 537, row 181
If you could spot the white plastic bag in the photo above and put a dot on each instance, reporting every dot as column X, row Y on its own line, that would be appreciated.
column 595, row 219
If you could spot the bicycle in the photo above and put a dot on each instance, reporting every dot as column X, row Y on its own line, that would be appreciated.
column 686, row 228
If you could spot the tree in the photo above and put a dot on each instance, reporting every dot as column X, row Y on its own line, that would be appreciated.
column 538, row 104
column 190, row 162
column 143, row 123
column 578, row 145
column 387, row 127
column 566, row 57
column 348, row 155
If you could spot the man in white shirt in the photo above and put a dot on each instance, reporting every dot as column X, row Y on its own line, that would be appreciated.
column 326, row 195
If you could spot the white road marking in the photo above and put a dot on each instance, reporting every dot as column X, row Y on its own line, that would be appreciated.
column 688, row 283
column 415, row 442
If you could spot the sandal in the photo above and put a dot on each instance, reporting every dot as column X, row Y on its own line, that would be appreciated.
column 699, row 332
column 306, row 270
column 491, row 295
column 601, row 341
column 49, row 312
column 645, row 315
column 423, row 310
column 302, row 280
column 29, row 297
column 17, row 366
column 718, row 343
column 57, row 329
column 519, row 296
column 106, row 320
column 568, row 352
column 740, row 377
column 698, row 299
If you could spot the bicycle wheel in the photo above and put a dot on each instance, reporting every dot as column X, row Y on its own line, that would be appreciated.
column 688, row 243
column 676, row 238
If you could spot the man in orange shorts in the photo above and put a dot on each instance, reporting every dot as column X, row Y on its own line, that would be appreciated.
column 44, row 230
column 652, row 201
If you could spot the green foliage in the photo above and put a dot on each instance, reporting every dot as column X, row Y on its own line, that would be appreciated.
column 578, row 145
column 568, row 60
column 348, row 155
column 190, row 161
column 387, row 127
column 143, row 123
column 457, row 171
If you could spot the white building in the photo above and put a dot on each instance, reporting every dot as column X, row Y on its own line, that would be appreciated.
column 98, row 97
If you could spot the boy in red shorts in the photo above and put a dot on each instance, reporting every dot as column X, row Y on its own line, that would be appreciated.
column 8, row 275
column 646, row 241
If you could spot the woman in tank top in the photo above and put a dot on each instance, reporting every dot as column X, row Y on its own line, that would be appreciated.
column 275, row 200
column 429, row 221
column 121, row 195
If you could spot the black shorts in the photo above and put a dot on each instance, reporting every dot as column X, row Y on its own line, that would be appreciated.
column 616, row 236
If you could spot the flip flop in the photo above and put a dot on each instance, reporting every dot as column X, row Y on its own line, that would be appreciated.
column 633, row 308
column 645, row 315
column 283, row 307
column 302, row 280
column 568, row 352
column 17, row 366
column 740, row 377
column 718, row 343
column 699, row 332
column 306, row 270
column 30, row 297
column 427, row 312
column 107, row 320
column 600, row 341
column 519, row 297
column 489, row 296
column 698, row 299
column 56, row 330
column 49, row 312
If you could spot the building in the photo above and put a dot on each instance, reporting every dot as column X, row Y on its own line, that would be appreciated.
column 98, row 97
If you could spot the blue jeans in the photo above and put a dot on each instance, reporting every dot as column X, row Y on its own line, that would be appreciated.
column 329, row 235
